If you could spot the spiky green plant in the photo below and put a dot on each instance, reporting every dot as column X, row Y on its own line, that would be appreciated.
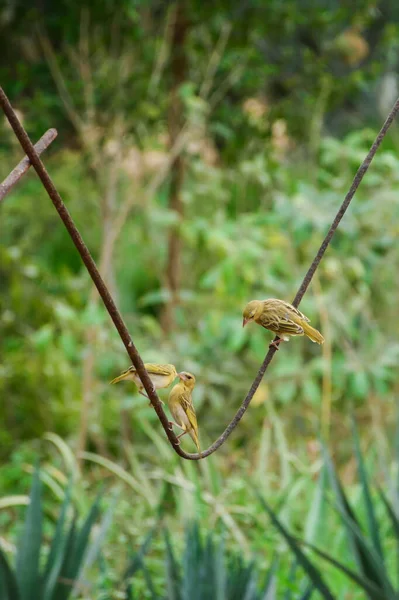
column 206, row 570
column 60, row 573
column 372, row 572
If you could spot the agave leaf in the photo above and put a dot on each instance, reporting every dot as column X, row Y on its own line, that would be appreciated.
column 57, row 551
column 95, row 546
column 220, row 572
column 307, row 593
column 172, row 571
column 312, row 572
column 8, row 583
column 271, row 592
column 28, row 553
column 75, row 550
column 394, row 520
column 82, row 540
column 148, row 580
column 368, row 502
column 373, row 591
column 191, row 559
column 315, row 514
column 368, row 562
column 64, row 582
column 369, row 557
column 250, row 589
column 137, row 561
column 240, row 579
column 291, row 578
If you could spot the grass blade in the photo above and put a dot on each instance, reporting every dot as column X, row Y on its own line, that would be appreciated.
column 373, row 591
column 220, row 572
column 75, row 550
column 82, row 540
column 137, row 561
column 366, row 560
column 64, row 583
column 172, row 571
column 369, row 556
column 312, row 572
column 368, row 502
column 8, row 583
column 191, row 560
column 57, row 551
column 98, row 540
column 315, row 519
column 307, row 593
column 28, row 553
column 269, row 591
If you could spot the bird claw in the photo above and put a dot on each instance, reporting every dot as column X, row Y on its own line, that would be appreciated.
column 170, row 425
column 276, row 344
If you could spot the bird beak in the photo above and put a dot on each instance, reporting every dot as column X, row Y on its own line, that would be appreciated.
column 119, row 378
column 244, row 321
column 181, row 376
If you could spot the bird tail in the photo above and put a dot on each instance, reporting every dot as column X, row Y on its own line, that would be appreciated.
column 194, row 437
column 120, row 377
column 312, row 333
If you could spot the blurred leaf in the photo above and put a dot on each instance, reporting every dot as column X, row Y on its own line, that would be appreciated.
column 28, row 553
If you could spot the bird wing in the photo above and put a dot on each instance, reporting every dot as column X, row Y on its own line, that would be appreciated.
column 154, row 369
column 294, row 311
column 188, row 407
column 280, row 323
column 274, row 304
column 288, row 326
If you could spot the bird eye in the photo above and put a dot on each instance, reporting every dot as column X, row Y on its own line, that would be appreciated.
column 189, row 377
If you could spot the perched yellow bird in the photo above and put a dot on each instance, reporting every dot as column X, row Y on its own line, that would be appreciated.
column 161, row 376
column 281, row 318
column 181, row 406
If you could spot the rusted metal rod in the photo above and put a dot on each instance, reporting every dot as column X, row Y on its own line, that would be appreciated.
column 24, row 165
column 90, row 265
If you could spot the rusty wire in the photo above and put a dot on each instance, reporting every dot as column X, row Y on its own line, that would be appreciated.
column 110, row 304
column 24, row 165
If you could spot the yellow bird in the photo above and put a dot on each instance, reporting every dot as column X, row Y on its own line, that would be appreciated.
column 181, row 406
column 281, row 318
column 161, row 376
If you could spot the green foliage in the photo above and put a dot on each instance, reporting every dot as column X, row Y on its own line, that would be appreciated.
column 375, row 562
column 206, row 570
column 65, row 559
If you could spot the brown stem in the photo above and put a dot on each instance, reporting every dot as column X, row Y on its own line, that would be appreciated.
column 175, row 125
column 111, row 307
column 23, row 166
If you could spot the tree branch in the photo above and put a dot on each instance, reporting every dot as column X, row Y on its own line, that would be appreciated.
column 23, row 166
column 111, row 307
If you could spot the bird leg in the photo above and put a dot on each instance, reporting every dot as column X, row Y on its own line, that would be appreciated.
column 181, row 434
column 171, row 423
column 276, row 343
